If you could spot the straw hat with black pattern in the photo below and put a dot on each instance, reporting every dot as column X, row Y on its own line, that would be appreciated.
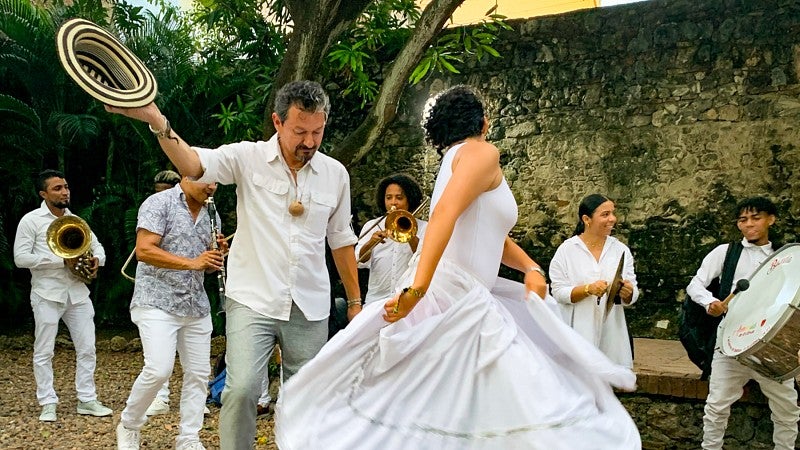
column 102, row 66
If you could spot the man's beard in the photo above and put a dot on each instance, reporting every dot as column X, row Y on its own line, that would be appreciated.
column 61, row 204
column 300, row 157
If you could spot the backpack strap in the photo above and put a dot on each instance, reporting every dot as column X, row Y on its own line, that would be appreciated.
column 728, row 268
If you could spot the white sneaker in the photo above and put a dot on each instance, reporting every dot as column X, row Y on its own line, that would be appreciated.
column 196, row 445
column 48, row 413
column 157, row 408
column 127, row 439
column 93, row 408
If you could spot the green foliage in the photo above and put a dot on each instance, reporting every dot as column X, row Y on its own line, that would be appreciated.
column 450, row 47
column 48, row 122
column 214, row 67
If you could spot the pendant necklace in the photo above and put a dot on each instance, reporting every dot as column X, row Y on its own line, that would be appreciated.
column 296, row 207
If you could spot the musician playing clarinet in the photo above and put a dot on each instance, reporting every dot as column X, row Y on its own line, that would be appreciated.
column 174, row 236
column 754, row 217
column 385, row 258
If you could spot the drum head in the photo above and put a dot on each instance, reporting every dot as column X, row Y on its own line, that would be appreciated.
column 752, row 314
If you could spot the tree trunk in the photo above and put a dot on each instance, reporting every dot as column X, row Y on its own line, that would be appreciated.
column 317, row 25
column 362, row 140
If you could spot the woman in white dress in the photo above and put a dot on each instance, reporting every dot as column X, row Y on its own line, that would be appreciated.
column 466, row 360
column 580, row 273
column 387, row 259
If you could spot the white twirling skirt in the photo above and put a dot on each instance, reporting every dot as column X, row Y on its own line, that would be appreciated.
column 467, row 369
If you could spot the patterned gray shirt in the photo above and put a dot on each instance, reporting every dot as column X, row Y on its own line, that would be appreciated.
column 178, row 292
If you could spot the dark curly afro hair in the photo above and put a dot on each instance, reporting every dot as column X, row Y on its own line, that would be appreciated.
column 452, row 116
column 409, row 186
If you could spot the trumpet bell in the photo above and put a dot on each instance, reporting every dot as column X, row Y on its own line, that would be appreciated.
column 401, row 225
column 69, row 237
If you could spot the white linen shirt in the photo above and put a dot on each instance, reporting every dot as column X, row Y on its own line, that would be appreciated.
column 574, row 265
column 277, row 258
column 711, row 267
column 50, row 278
column 388, row 261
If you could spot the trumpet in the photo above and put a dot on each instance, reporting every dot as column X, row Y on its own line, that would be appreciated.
column 401, row 226
column 70, row 237
column 125, row 266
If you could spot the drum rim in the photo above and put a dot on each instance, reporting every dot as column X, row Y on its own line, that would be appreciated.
column 784, row 317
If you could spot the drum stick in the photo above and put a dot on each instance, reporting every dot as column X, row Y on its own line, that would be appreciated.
column 741, row 285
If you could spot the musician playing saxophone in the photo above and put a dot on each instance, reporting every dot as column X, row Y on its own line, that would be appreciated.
column 170, row 306
column 57, row 294
column 385, row 258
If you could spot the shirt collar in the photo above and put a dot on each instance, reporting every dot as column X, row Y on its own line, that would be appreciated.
column 766, row 248
column 274, row 150
column 44, row 211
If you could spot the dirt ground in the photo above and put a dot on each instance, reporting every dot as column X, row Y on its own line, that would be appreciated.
column 116, row 371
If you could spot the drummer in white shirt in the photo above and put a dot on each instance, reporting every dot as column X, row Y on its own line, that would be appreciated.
column 388, row 259
column 580, row 272
column 754, row 216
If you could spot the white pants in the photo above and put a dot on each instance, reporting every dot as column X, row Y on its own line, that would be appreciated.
column 79, row 319
column 728, row 377
column 163, row 333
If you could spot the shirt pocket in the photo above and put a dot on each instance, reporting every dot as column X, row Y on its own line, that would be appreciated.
column 321, row 207
column 272, row 194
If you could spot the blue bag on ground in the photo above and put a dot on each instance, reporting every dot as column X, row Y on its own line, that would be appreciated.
column 215, row 388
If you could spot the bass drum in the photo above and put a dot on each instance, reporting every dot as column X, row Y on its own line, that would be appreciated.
column 762, row 327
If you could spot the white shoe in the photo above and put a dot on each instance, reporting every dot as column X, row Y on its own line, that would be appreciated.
column 127, row 439
column 48, row 413
column 157, row 408
column 93, row 408
column 196, row 445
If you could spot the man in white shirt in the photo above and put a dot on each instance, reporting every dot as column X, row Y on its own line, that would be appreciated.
column 290, row 200
column 754, row 217
column 56, row 294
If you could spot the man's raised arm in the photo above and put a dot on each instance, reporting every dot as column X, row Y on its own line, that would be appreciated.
column 176, row 149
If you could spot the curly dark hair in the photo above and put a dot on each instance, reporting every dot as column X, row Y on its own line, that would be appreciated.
column 409, row 186
column 454, row 115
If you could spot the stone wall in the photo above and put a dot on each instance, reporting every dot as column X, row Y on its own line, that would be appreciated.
column 674, row 423
column 675, row 109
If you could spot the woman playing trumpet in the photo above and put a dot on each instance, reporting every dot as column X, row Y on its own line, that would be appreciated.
column 385, row 258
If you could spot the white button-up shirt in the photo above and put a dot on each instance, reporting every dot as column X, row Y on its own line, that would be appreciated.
column 388, row 261
column 711, row 267
column 50, row 278
column 277, row 258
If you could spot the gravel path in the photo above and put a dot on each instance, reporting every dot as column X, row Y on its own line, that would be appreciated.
column 116, row 371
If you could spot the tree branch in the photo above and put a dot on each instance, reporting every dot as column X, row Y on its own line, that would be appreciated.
column 317, row 25
column 360, row 142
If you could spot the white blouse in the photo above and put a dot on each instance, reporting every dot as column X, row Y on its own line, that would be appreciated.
column 574, row 265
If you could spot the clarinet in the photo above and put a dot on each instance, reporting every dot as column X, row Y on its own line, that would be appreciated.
column 212, row 215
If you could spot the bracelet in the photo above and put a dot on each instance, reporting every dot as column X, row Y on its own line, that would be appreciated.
column 161, row 134
column 586, row 290
column 538, row 270
column 354, row 302
column 419, row 293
